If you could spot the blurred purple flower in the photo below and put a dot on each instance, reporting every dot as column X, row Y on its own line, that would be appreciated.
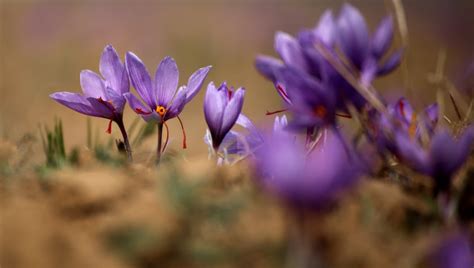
column 401, row 118
column 100, row 98
column 453, row 252
column 162, row 98
column 306, row 181
column 313, row 103
column 366, row 52
column 302, row 58
column 222, row 107
column 443, row 157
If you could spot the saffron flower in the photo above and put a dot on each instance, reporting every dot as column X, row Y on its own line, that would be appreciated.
column 236, row 145
column 313, row 180
column 440, row 160
column 162, row 97
column 366, row 52
column 102, row 97
column 313, row 103
column 222, row 107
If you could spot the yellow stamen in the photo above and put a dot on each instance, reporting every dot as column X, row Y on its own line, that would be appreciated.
column 160, row 110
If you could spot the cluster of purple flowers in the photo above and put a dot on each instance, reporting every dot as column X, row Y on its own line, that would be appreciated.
column 322, row 74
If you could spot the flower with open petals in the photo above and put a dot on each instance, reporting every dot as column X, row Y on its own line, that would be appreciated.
column 101, row 97
column 222, row 107
column 307, row 181
column 162, row 97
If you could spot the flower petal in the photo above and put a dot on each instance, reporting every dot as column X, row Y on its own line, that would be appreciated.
column 448, row 155
column 78, row 103
column 383, row 37
column 115, row 99
column 140, row 78
column 290, row 51
column 136, row 104
column 113, row 70
column 177, row 105
column 92, row 85
column 166, row 81
column 195, row 82
column 326, row 28
column 232, row 111
column 411, row 153
column 353, row 35
column 267, row 65
column 391, row 63
column 215, row 102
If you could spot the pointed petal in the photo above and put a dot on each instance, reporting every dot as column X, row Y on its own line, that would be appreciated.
column 140, row 78
column 92, row 85
column 391, row 63
column 178, row 103
column 136, row 104
column 166, row 81
column 267, row 65
column 115, row 99
column 411, row 153
column 383, row 37
column 78, row 103
column 232, row 111
column 448, row 155
column 113, row 70
column 290, row 51
column 353, row 35
column 326, row 28
column 195, row 82
column 215, row 102
column 369, row 71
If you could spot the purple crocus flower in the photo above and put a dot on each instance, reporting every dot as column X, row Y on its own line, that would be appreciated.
column 306, row 181
column 222, row 107
column 163, row 99
column 313, row 103
column 237, row 145
column 101, row 97
column 401, row 117
column 366, row 52
column 440, row 160
column 453, row 251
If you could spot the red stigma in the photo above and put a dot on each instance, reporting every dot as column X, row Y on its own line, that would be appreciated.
column 282, row 91
column 275, row 112
column 109, row 128
column 140, row 111
column 401, row 107
column 184, row 133
column 167, row 136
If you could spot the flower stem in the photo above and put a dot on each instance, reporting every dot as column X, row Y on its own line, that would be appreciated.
column 128, row 149
column 160, row 142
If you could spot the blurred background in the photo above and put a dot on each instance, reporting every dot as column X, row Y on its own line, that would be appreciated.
column 44, row 44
